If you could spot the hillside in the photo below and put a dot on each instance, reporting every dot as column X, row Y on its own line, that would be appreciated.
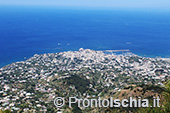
column 33, row 84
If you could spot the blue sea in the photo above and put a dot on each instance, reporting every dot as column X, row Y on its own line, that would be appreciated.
column 25, row 31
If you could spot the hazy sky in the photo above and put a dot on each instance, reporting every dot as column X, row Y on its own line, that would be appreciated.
column 93, row 3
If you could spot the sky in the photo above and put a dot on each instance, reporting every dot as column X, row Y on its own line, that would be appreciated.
column 164, row 4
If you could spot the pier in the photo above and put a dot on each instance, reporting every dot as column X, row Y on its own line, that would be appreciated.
column 125, row 50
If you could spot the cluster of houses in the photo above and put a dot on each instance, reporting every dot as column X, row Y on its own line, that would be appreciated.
column 33, row 84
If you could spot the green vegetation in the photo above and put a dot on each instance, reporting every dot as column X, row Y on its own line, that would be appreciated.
column 5, row 111
column 81, row 84
column 164, row 102
column 164, row 105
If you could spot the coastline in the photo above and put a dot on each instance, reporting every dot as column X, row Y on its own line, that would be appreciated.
column 121, row 51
